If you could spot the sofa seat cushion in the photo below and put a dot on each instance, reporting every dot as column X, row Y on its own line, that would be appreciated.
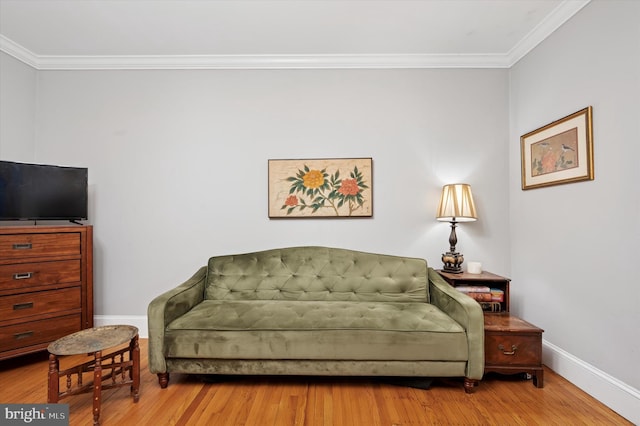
column 268, row 329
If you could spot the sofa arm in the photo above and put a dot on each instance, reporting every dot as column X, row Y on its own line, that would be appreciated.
column 468, row 313
column 166, row 308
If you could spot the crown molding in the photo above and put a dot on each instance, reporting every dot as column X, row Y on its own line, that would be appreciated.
column 545, row 28
column 237, row 62
column 186, row 62
column 557, row 18
column 12, row 48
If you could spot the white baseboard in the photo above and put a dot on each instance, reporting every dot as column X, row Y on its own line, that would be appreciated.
column 617, row 395
column 620, row 397
column 139, row 321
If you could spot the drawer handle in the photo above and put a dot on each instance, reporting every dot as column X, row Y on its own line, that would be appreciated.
column 514, row 348
column 19, row 306
column 23, row 335
column 23, row 276
column 22, row 246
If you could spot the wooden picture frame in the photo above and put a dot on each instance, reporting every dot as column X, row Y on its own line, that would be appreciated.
column 325, row 187
column 560, row 152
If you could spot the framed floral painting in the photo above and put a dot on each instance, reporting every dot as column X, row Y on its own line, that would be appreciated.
column 560, row 152
column 325, row 187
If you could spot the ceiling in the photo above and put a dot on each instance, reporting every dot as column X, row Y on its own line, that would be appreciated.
column 133, row 34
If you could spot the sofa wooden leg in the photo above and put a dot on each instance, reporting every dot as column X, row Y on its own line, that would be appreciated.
column 163, row 379
column 469, row 385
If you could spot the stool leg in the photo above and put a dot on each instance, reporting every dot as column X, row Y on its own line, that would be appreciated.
column 134, row 355
column 54, row 380
column 97, row 387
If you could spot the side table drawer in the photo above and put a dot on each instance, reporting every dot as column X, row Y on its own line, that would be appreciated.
column 513, row 349
column 37, row 332
column 25, row 305
column 24, row 275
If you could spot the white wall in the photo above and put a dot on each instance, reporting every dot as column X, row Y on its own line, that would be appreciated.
column 178, row 163
column 17, row 109
column 574, row 246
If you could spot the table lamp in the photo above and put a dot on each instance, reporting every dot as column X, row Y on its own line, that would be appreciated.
column 456, row 205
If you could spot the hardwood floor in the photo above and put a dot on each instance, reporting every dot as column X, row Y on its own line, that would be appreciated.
column 313, row 401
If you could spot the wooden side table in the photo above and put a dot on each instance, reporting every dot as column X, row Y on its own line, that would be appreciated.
column 512, row 345
column 93, row 341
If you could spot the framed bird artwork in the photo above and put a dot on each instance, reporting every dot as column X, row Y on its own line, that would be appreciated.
column 560, row 152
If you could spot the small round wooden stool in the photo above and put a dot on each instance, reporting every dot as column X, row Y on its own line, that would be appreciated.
column 93, row 341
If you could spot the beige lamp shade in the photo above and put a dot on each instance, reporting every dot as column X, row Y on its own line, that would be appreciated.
column 456, row 204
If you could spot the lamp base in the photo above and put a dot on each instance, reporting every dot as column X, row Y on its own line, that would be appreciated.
column 452, row 262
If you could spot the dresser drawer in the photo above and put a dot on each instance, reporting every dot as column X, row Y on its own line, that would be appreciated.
column 513, row 349
column 25, row 305
column 21, row 246
column 37, row 332
column 25, row 275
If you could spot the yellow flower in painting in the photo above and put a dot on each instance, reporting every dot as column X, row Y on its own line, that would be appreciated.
column 313, row 179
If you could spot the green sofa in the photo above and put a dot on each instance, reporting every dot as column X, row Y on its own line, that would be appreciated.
column 316, row 311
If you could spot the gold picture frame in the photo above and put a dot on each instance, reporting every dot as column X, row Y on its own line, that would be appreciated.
column 560, row 152
column 324, row 187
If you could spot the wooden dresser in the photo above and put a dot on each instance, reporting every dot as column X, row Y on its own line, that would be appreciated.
column 46, row 285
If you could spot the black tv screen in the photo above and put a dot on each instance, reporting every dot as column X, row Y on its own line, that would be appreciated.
column 38, row 192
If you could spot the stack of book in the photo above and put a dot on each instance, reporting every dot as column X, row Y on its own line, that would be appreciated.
column 477, row 292
column 489, row 298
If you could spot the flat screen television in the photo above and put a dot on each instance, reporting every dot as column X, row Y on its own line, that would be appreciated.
column 42, row 192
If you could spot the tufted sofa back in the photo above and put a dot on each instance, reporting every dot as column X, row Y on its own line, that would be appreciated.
column 317, row 273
